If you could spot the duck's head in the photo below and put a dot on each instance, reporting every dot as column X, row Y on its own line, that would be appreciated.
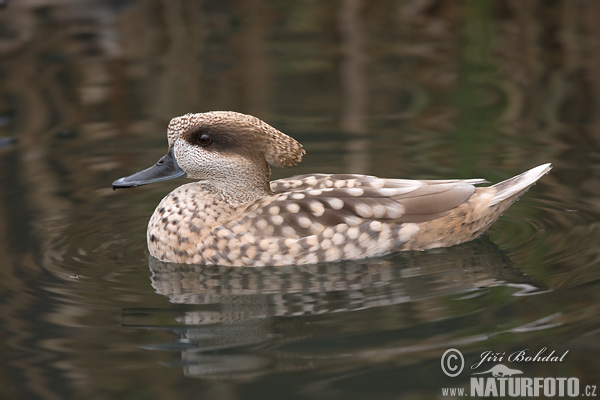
column 223, row 148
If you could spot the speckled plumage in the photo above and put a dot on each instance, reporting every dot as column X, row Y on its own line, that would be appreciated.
column 234, row 216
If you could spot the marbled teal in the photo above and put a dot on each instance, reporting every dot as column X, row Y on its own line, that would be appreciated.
column 234, row 215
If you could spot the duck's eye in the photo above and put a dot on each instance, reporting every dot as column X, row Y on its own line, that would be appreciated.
column 204, row 139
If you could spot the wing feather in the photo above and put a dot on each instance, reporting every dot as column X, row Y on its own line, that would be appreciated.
column 306, row 205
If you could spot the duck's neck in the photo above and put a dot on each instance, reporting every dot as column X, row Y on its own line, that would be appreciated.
column 239, row 190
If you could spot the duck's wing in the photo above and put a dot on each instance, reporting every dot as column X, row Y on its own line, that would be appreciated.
column 308, row 204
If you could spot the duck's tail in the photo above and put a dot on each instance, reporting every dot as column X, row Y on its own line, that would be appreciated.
column 514, row 187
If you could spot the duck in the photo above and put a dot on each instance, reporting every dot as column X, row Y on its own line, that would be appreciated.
column 233, row 215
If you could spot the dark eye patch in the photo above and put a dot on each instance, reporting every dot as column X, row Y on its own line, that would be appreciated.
column 200, row 137
column 213, row 138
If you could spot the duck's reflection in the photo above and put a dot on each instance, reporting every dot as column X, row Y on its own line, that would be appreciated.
column 239, row 322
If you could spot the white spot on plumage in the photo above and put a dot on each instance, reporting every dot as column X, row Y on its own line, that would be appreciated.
column 351, row 250
column 239, row 228
column 293, row 207
column 274, row 210
column 356, row 192
column 304, row 222
column 328, row 233
column 265, row 257
column 332, row 254
column 353, row 232
column 395, row 212
column 293, row 248
column 335, row 203
column 311, row 180
column 277, row 219
column 377, row 183
column 376, row 226
column 221, row 233
column 364, row 210
column 251, row 252
column 234, row 254
column 297, row 196
column 317, row 208
column 312, row 240
column 248, row 261
column 314, row 192
column 338, row 239
column 352, row 220
column 247, row 238
column 407, row 231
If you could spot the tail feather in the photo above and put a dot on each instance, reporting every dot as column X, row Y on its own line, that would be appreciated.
column 516, row 186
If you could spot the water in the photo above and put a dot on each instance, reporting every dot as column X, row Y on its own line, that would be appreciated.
column 396, row 89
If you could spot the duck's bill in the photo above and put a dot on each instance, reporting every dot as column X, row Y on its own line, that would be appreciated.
column 166, row 168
